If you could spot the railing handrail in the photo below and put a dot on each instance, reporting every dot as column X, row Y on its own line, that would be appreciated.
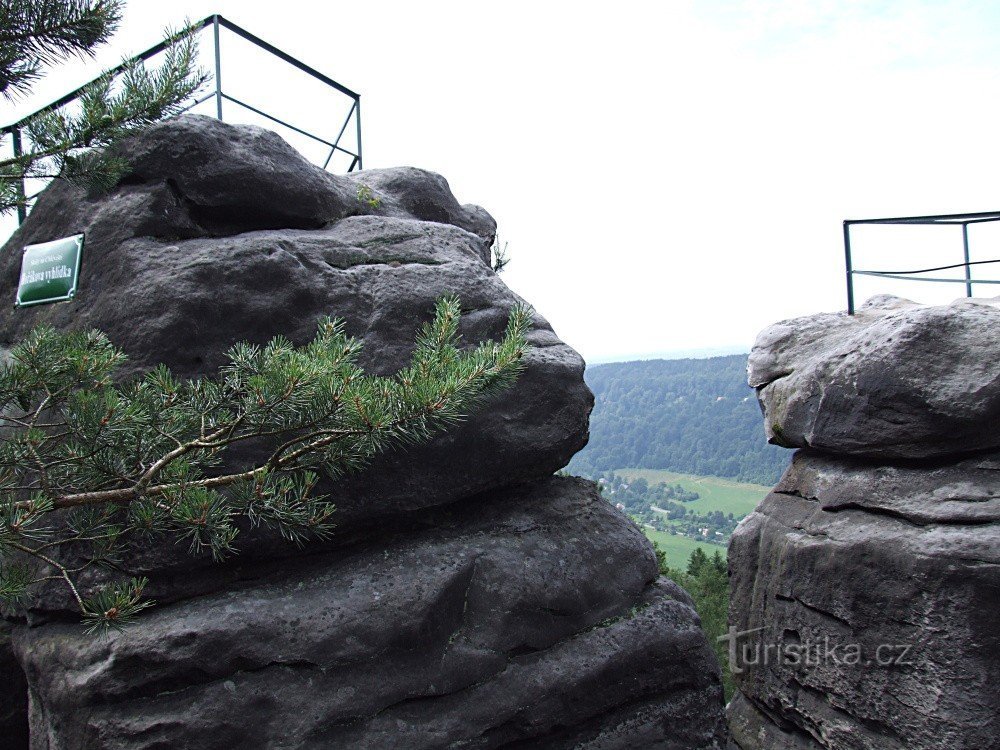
column 225, row 22
column 950, row 220
column 215, row 21
column 163, row 44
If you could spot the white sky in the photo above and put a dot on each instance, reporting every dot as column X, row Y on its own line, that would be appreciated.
column 671, row 175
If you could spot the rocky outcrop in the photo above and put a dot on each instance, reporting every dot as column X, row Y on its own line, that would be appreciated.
column 467, row 599
column 418, row 194
column 896, row 380
column 865, row 590
column 520, row 617
column 184, row 302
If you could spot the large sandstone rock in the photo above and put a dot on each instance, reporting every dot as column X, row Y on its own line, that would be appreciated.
column 165, row 295
column 196, row 177
column 529, row 618
column 13, row 696
column 884, row 579
column 467, row 599
column 866, row 586
column 896, row 380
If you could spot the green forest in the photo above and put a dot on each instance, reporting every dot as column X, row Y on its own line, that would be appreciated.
column 694, row 416
column 706, row 579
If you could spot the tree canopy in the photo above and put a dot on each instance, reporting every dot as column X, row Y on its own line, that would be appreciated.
column 693, row 416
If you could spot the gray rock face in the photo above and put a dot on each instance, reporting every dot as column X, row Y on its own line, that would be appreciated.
column 184, row 302
column 896, row 380
column 758, row 731
column 417, row 193
column 530, row 618
column 192, row 177
column 872, row 591
column 468, row 599
column 13, row 695
column 866, row 586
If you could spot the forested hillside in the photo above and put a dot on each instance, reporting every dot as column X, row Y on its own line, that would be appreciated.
column 695, row 416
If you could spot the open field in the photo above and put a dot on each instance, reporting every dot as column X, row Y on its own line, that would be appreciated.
column 679, row 548
column 715, row 494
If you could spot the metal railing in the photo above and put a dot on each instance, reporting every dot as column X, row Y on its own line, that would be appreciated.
column 217, row 22
column 959, row 220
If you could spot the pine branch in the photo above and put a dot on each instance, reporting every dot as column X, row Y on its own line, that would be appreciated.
column 63, row 572
column 74, row 145
column 141, row 460
column 34, row 33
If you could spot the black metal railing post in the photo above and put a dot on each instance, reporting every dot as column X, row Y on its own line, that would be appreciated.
column 22, row 209
column 218, row 67
column 850, row 268
column 357, row 118
column 968, row 267
column 917, row 274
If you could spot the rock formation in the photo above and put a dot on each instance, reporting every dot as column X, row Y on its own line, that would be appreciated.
column 468, row 599
column 866, row 586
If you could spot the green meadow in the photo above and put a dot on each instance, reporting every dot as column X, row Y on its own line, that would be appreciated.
column 679, row 548
column 715, row 494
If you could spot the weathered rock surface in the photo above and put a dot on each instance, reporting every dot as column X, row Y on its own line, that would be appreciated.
column 184, row 302
column 866, row 586
column 13, row 695
column 530, row 618
column 871, row 591
column 896, row 380
column 416, row 193
column 757, row 731
column 468, row 598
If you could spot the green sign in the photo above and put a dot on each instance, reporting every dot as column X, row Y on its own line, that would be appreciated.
column 49, row 271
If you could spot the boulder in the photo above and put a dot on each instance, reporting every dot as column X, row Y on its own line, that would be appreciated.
column 531, row 617
column 467, row 598
column 865, row 595
column 163, row 294
column 896, row 380
column 194, row 177
column 757, row 731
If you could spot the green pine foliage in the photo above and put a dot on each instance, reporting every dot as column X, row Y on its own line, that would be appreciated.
column 88, row 462
column 41, row 33
column 706, row 579
column 70, row 142
column 693, row 416
column 499, row 254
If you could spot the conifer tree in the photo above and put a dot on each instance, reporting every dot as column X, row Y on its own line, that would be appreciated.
column 69, row 142
column 90, row 467
column 707, row 581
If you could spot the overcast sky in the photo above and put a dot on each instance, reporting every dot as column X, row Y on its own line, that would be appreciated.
column 669, row 176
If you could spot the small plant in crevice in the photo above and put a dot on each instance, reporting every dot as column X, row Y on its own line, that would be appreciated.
column 634, row 611
column 498, row 253
column 366, row 196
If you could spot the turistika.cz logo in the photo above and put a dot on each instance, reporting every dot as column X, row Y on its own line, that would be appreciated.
column 745, row 652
